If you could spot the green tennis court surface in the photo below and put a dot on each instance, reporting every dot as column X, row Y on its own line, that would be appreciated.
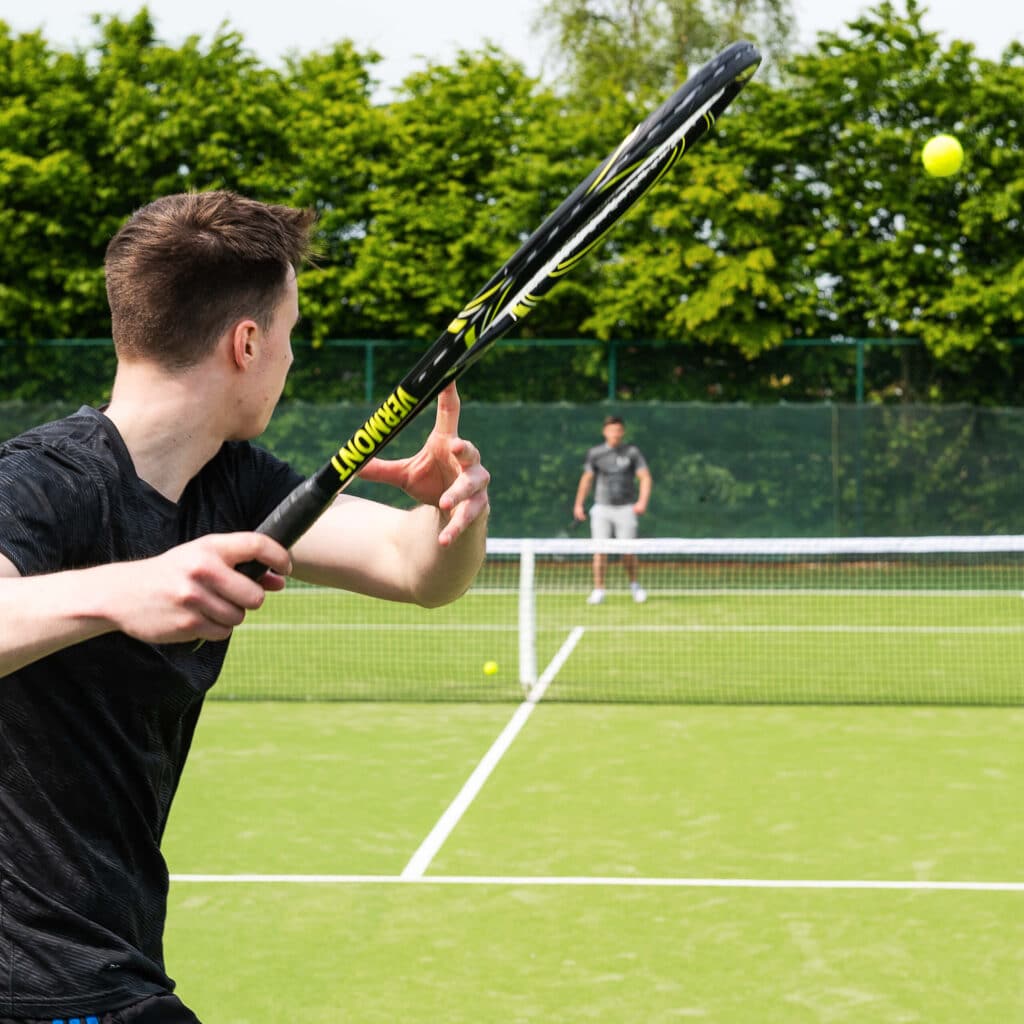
column 620, row 863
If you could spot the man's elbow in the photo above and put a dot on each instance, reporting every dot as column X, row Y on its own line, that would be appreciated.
column 438, row 598
column 441, row 588
column 447, row 583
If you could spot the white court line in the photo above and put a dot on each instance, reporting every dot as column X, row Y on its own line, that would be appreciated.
column 422, row 858
column 697, row 627
column 773, row 592
column 344, row 627
column 866, row 592
column 908, row 885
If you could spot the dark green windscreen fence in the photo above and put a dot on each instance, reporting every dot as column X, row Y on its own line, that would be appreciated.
column 734, row 471
column 720, row 470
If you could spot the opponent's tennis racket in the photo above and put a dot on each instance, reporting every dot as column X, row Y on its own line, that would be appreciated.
column 568, row 234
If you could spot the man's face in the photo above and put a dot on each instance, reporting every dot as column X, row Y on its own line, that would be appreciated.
column 279, row 334
column 274, row 358
column 613, row 434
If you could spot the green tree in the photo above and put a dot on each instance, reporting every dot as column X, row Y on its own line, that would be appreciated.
column 335, row 137
column 87, row 137
column 643, row 48
column 886, row 250
column 469, row 168
column 191, row 117
column 807, row 212
column 48, row 129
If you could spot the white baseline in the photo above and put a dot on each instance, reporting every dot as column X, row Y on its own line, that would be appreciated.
column 909, row 885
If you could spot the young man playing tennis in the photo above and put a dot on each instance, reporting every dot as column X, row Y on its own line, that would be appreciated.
column 616, row 467
column 120, row 531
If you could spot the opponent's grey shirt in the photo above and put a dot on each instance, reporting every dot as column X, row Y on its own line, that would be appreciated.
column 615, row 471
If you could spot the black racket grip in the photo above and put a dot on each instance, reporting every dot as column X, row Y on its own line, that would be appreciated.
column 291, row 519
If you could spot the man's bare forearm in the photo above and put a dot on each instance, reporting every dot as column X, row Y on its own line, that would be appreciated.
column 45, row 614
column 443, row 574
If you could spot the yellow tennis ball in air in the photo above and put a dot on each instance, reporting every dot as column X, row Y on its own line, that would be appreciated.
column 490, row 668
column 942, row 156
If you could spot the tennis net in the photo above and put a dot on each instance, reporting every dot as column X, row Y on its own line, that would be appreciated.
column 921, row 620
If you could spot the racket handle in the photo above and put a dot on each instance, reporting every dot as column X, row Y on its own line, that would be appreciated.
column 291, row 519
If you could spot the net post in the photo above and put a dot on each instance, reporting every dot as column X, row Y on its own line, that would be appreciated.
column 527, row 617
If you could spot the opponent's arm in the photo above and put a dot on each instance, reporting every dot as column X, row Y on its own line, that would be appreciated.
column 644, row 476
column 582, row 490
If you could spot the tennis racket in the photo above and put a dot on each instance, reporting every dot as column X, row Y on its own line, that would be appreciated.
column 552, row 251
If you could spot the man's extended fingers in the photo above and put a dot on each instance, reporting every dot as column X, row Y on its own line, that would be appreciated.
column 472, row 479
column 465, row 452
column 448, row 406
column 463, row 516
column 466, row 498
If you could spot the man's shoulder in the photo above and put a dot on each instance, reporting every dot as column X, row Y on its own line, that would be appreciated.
column 79, row 440
column 56, row 489
column 77, row 426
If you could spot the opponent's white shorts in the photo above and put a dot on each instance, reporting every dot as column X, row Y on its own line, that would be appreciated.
column 608, row 521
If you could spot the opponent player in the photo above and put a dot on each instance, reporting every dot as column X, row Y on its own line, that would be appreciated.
column 615, row 467
column 120, row 530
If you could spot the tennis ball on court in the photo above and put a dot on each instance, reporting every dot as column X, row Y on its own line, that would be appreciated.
column 942, row 156
column 490, row 668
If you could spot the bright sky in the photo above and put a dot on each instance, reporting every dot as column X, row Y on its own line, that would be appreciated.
column 404, row 31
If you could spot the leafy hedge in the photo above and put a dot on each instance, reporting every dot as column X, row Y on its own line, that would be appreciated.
column 805, row 215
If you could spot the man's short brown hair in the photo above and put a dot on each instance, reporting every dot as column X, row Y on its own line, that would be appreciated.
column 186, row 267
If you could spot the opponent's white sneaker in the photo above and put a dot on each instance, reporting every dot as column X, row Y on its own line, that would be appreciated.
column 639, row 594
column 596, row 596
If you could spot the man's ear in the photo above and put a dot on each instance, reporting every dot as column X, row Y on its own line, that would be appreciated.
column 244, row 338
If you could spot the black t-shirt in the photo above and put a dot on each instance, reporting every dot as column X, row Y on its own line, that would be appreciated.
column 93, row 738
